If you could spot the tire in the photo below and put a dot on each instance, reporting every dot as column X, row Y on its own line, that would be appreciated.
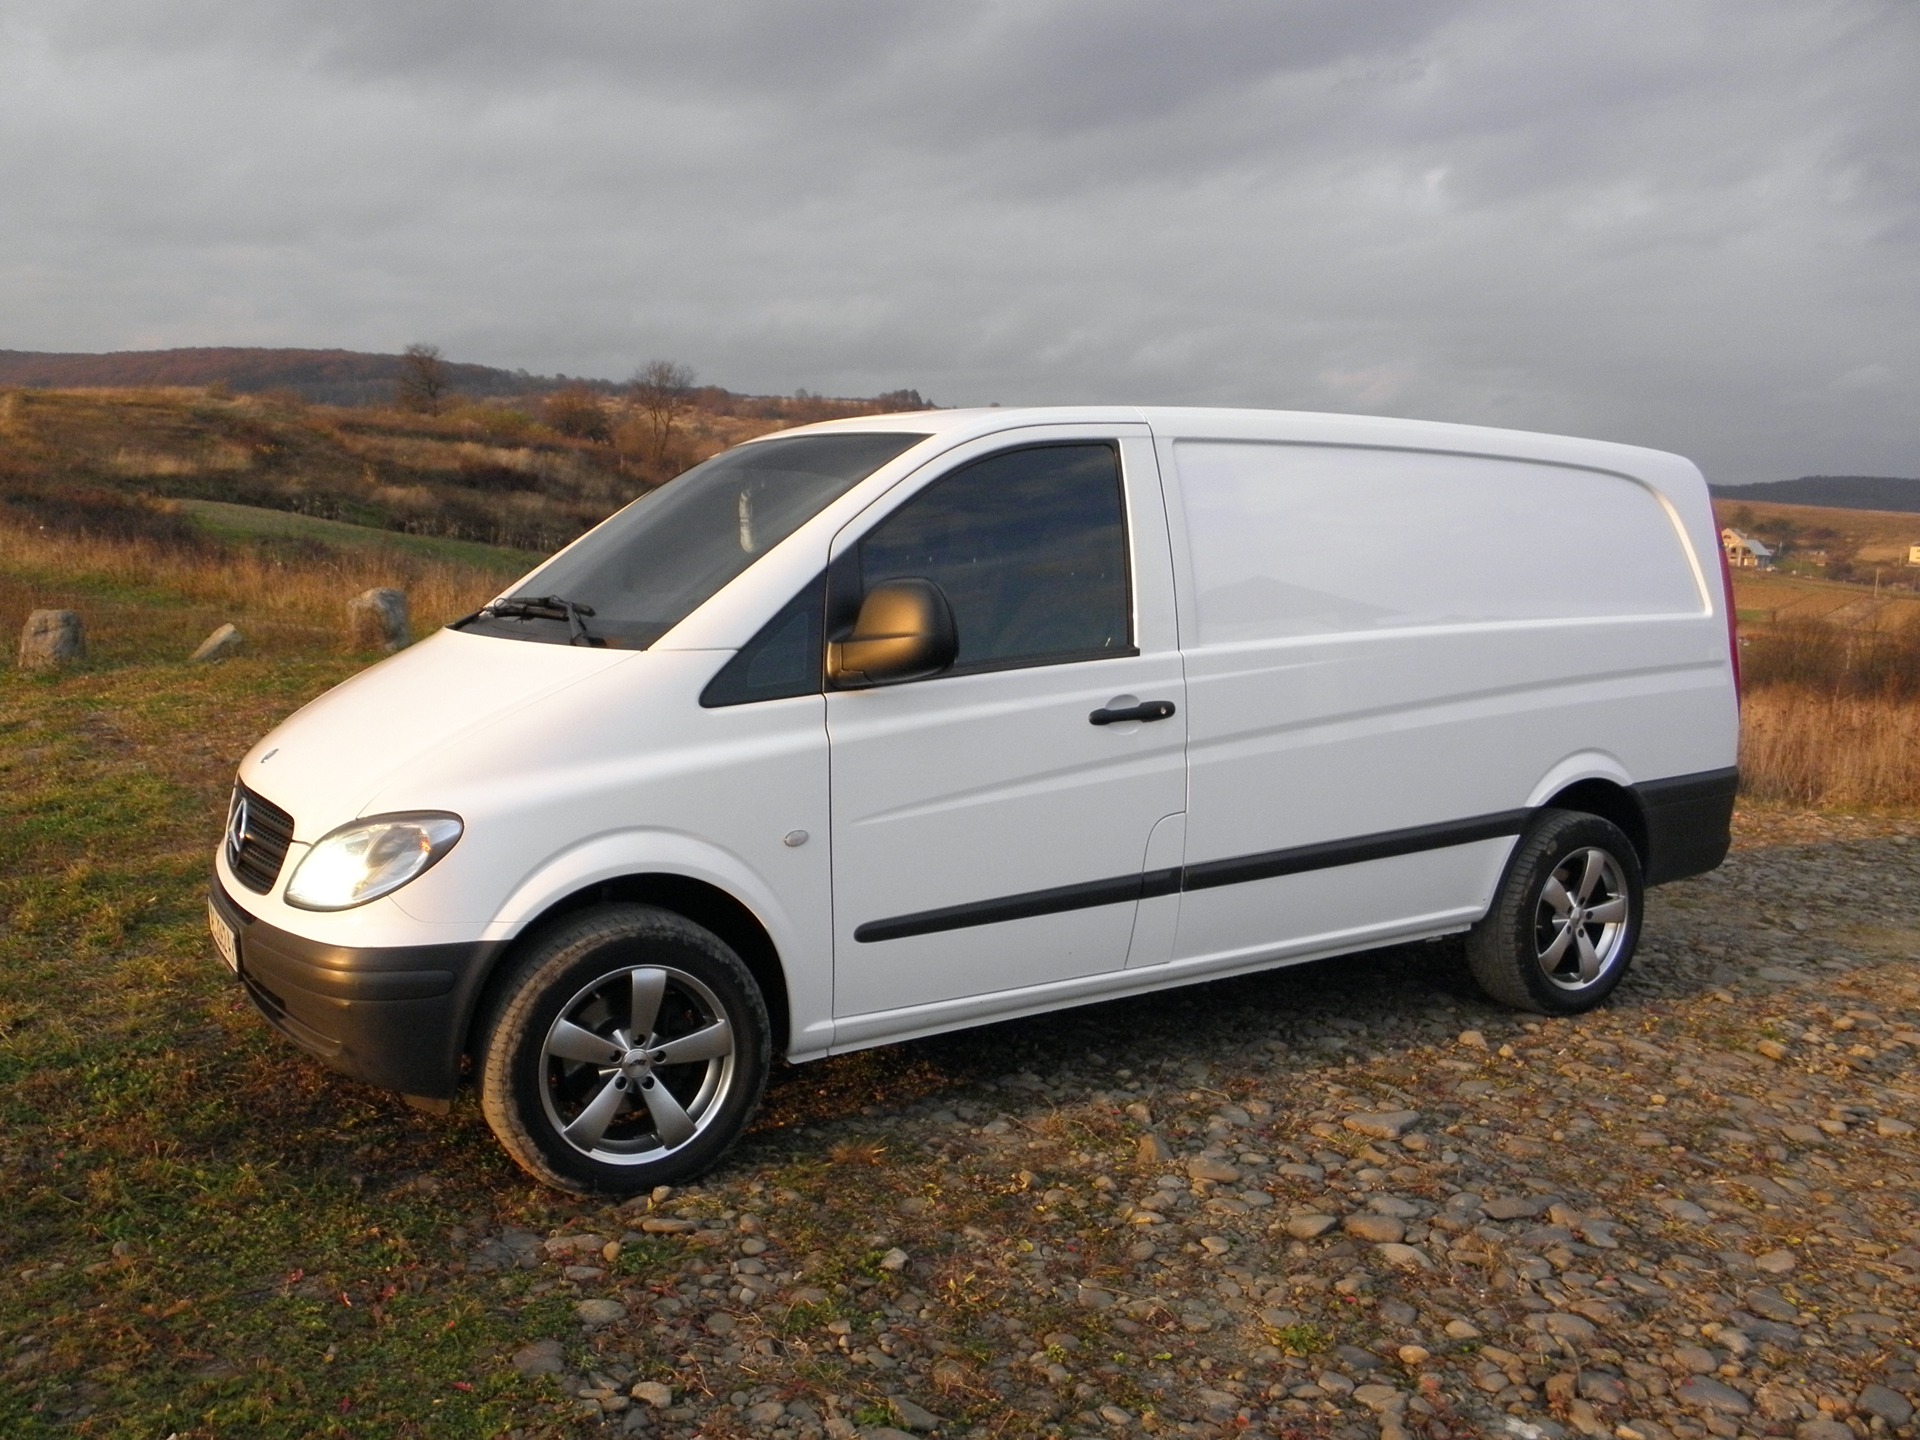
column 1565, row 922
column 582, row 1109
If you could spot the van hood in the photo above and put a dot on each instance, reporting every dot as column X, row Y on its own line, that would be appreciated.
column 326, row 761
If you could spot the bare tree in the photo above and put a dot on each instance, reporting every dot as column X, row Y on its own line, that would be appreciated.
column 422, row 379
column 662, row 393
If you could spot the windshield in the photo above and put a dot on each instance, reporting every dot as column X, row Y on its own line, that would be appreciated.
column 644, row 570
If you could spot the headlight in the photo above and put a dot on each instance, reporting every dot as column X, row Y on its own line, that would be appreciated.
column 370, row 858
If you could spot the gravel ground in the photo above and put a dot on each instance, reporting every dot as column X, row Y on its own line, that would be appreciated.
column 1347, row 1200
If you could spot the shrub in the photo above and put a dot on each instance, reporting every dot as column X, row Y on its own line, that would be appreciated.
column 579, row 412
column 1833, row 659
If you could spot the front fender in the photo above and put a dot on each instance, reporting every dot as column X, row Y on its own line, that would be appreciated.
column 805, row 956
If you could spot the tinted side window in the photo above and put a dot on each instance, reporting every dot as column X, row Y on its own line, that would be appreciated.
column 781, row 661
column 1030, row 547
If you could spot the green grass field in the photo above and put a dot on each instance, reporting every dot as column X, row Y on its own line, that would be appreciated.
column 205, row 1234
column 244, row 523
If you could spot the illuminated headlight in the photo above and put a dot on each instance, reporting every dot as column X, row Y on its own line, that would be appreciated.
column 370, row 858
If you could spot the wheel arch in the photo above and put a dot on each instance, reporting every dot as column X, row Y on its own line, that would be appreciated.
column 1612, row 802
column 701, row 901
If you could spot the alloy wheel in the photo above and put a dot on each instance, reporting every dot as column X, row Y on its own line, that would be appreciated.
column 1582, row 919
column 637, row 1065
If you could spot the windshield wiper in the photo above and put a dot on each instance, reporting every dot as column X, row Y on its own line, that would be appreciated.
column 544, row 607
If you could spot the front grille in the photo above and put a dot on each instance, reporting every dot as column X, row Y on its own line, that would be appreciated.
column 258, row 833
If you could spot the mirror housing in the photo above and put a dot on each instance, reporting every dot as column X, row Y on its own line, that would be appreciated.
column 905, row 631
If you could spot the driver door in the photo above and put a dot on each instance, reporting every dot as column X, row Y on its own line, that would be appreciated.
column 989, row 833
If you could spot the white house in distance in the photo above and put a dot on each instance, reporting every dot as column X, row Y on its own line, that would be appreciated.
column 1746, row 553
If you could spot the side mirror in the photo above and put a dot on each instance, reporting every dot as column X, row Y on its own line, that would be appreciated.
column 905, row 631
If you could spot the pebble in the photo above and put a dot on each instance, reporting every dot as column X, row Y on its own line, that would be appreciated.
column 1890, row 1405
column 1309, row 1226
column 595, row 1313
column 1705, row 1393
column 1514, row 1207
column 1381, row 1229
column 1383, row 1124
column 542, row 1357
column 913, row 1416
column 1152, row 1150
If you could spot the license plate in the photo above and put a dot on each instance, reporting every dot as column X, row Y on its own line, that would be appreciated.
column 224, row 940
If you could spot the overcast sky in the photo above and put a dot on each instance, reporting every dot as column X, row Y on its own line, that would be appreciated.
column 1690, row 225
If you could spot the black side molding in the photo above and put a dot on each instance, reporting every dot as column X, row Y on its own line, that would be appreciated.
column 1237, row 871
column 1689, row 822
column 1328, row 854
column 1119, row 890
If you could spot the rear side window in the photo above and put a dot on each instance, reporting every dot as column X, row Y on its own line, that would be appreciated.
column 1030, row 547
column 1313, row 540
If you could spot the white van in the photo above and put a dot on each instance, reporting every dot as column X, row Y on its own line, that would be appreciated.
column 888, row 726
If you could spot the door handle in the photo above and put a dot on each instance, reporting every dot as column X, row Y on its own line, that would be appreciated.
column 1145, row 710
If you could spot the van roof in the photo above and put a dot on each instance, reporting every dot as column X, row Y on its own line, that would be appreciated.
column 1299, row 426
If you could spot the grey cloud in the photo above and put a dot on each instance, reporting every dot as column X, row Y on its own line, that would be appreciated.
column 1691, row 225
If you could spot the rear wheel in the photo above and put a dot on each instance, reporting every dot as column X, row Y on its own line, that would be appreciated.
column 627, row 1049
column 1562, row 930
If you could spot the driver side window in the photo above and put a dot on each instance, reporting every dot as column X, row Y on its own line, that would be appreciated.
column 1030, row 548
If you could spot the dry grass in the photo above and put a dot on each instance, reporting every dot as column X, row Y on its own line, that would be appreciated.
column 1834, row 659
column 298, row 598
column 1814, row 748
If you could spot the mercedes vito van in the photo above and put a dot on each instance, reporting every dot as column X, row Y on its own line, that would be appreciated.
column 892, row 725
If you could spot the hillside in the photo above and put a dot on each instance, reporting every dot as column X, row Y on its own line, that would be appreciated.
column 1815, row 540
column 334, row 377
column 508, row 472
column 1843, row 492
column 355, row 377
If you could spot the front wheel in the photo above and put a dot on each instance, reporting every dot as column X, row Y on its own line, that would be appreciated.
column 627, row 1049
column 1563, row 927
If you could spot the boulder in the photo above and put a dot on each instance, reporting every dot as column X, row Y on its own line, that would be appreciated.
column 50, row 639
column 220, row 644
column 377, row 620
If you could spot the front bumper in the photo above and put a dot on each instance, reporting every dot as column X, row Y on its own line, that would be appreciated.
column 394, row 1016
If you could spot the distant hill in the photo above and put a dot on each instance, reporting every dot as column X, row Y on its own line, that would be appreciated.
column 1837, row 492
column 321, row 377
